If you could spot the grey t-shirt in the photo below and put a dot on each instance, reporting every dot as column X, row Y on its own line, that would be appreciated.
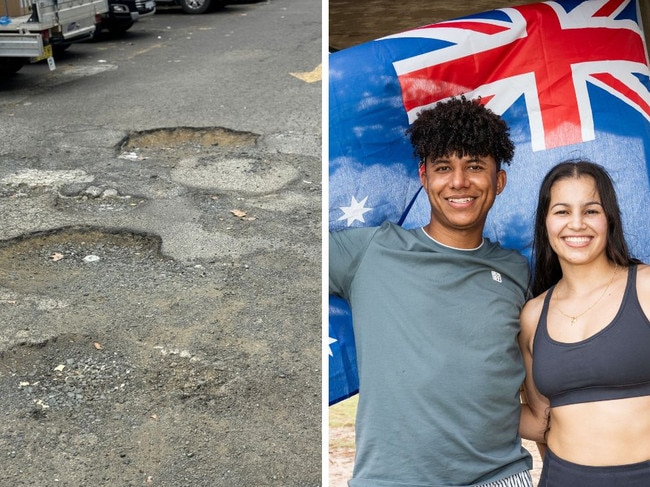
column 439, row 366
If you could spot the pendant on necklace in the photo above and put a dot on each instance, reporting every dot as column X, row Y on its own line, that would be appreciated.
column 573, row 319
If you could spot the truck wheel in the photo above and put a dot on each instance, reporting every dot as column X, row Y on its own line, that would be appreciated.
column 59, row 49
column 195, row 6
column 11, row 65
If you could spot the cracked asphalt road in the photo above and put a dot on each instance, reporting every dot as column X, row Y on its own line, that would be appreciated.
column 160, row 259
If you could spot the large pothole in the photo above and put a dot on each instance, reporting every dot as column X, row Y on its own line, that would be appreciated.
column 76, row 244
column 181, row 136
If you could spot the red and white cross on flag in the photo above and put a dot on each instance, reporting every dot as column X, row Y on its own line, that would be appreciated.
column 543, row 52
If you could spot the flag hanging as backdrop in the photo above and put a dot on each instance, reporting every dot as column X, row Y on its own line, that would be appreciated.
column 570, row 78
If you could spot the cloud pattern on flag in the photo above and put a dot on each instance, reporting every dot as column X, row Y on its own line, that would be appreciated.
column 570, row 78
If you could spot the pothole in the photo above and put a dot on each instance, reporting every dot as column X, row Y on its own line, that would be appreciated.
column 76, row 244
column 184, row 136
column 65, row 371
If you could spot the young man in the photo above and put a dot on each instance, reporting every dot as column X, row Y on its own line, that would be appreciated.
column 436, row 317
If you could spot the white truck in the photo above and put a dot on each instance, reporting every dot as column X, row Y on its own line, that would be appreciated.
column 32, row 30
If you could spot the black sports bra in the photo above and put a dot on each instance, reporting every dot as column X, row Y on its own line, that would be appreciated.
column 612, row 364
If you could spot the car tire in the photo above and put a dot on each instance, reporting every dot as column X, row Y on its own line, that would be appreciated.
column 196, row 6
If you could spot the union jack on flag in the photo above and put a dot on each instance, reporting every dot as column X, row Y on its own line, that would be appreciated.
column 569, row 77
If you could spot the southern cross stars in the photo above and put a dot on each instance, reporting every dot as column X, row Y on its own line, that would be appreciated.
column 329, row 345
column 355, row 211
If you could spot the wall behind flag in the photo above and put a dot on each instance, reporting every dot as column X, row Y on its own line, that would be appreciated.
column 645, row 16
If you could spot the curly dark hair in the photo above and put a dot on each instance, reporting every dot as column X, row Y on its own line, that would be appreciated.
column 461, row 126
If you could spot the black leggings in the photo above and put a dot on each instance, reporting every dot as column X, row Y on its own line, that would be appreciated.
column 560, row 473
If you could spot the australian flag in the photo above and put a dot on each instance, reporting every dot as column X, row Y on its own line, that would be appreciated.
column 569, row 77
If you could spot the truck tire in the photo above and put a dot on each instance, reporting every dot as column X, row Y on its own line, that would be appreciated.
column 196, row 6
column 11, row 65
column 59, row 49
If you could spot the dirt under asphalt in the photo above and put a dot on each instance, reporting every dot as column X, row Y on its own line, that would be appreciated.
column 123, row 363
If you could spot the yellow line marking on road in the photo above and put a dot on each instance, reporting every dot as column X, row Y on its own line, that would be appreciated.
column 145, row 50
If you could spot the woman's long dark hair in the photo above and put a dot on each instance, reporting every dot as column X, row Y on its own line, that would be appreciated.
column 547, row 271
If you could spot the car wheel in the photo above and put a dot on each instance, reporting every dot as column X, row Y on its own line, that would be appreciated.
column 195, row 6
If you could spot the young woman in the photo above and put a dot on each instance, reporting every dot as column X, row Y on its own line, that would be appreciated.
column 585, row 337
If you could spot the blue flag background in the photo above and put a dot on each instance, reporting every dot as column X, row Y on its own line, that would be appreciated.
column 585, row 95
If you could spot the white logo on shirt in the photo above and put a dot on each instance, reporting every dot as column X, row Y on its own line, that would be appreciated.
column 496, row 276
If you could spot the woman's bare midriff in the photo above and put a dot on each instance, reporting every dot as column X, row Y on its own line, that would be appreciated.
column 602, row 433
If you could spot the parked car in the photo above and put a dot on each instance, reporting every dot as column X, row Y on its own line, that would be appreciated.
column 122, row 14
column 194, row 6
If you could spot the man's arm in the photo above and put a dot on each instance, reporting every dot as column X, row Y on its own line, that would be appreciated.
column 346, row 249
column 535, row 407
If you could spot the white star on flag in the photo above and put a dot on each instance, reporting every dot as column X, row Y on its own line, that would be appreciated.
column 331, row 340
column 355, row 211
